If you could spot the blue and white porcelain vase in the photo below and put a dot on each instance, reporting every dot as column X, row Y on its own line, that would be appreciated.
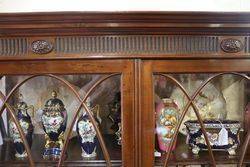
column 86, row 135
column 54, row 121
column 25, row 122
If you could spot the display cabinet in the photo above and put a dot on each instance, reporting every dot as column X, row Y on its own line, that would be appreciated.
column 87, row 84
column 204, row 101
column 124, row 89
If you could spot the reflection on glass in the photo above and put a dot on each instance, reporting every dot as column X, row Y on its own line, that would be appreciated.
column 221, row 104
column 104, row 103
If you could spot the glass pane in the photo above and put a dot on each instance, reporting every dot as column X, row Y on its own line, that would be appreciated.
column 221, row 103
column 46, row 107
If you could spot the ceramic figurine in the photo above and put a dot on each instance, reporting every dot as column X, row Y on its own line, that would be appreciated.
column 54, row 120
column 86, row 132
column 115, row 116
column 25, row 122
column 222, row 135
column 166, row 121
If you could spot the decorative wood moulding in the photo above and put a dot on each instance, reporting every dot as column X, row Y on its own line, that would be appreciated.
column 231, row 45
column 13, row 46
column 148, row 44
column 247, row 44
column 125, row 45
column 106, row 23
column 125, row 17
column 41, row 47
column 123, row 23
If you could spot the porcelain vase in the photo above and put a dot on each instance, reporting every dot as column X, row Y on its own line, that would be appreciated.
column 25, row 122
column 166, row 120
column 54, row 121
column 86, row 136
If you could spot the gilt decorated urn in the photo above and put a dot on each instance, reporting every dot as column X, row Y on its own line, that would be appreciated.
column 54, row 120
column 25, row 122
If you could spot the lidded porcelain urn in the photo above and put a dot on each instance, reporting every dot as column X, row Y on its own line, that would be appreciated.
column 54, row 120
column 25, row 122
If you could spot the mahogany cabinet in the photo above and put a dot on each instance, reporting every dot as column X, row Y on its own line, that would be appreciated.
column 147, row 56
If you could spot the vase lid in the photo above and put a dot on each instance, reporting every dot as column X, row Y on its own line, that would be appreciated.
column 21, row 105
column 167, row 100
column 54, row 102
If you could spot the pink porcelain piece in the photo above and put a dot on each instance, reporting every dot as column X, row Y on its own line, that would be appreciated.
column 166, row 120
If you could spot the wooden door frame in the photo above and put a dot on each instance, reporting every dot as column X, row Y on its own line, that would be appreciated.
column 73, row 66
column 146, row 113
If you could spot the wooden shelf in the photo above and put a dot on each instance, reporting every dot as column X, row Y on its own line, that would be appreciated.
column 183, row 155
column 7, row 154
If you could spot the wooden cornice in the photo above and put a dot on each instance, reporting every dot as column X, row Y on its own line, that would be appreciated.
column 126, row 23
column 126, row 17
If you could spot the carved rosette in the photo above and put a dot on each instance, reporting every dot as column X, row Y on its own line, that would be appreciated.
column 41, row 47
column 231, row 45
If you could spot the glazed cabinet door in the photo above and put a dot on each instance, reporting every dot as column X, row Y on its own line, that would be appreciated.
column 194, row 112
column 67, row 113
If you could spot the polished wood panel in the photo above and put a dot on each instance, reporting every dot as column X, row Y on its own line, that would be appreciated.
column 62, row 67
column 137, row 106
column 195, row 66
column 147, row 116
column 128, row 116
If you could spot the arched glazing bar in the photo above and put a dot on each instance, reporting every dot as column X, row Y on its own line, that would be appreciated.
column 67, row 84
column 244, row 149
column 190, row 102
column 19, row 128
column 82, row 104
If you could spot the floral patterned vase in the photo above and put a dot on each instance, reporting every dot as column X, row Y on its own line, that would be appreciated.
column 24, row 120
column 166, row 121
column 54, row 120
column 87, row 136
